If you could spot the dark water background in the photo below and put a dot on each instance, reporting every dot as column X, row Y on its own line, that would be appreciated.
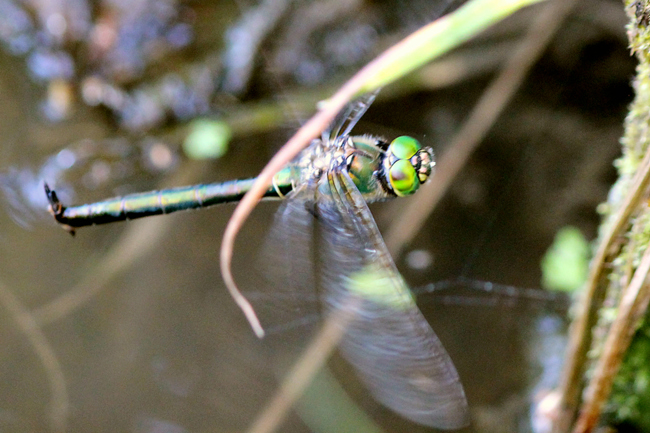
column 159, row 346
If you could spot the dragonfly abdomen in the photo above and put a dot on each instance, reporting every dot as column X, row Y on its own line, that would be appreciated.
column 159, row 202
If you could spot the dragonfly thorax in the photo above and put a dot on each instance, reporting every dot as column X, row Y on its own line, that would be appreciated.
column 379, row 169
column 320, row 157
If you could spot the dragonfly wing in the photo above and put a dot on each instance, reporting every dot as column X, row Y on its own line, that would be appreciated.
column 348, row 117
column 388, row 341
column 289, row 298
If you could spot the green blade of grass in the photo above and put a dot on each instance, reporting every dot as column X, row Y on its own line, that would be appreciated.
column 440, row 37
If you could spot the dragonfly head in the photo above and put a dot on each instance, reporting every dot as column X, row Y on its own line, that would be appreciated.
column 407, row 165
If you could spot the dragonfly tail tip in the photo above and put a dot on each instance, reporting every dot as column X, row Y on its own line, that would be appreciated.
column 56, row 208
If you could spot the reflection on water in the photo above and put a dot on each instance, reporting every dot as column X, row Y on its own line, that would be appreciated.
column 159, row 345
column 83, row 166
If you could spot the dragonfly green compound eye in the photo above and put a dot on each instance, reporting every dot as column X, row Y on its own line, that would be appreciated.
column 407, row 164
column 405, row 147
column 403, row 178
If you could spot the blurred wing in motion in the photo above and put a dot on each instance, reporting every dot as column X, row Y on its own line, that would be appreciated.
column 389, row 342
column 289, row 299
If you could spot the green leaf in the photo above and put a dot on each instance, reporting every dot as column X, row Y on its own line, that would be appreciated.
column 566, row 263
column 207, row 139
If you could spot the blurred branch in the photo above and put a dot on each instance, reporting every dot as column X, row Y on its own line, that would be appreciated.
column 26, row 322
column 422, row 46
column 335, row 324
column 480, row 120
column 135, row 243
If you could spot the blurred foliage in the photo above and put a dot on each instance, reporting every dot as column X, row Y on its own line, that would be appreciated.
column 207, row 139
column 144, row 61
column 565, row 264
column 119, row 83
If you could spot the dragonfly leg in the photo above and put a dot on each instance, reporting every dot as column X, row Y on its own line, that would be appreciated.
column 56, row 208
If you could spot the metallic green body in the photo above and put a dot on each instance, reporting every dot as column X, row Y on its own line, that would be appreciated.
column 364, row 167
column 364, row 162
column 166, row 201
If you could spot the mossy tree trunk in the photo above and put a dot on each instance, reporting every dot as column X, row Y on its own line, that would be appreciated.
column 607, row 376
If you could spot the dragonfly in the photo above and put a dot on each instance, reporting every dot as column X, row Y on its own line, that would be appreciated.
column 326, row 191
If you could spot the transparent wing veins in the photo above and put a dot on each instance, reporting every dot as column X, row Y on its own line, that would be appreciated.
column 391, row 344
column 348, row 117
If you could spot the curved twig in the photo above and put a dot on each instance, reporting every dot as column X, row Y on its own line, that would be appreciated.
column 392, row 64
column 25, row 321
